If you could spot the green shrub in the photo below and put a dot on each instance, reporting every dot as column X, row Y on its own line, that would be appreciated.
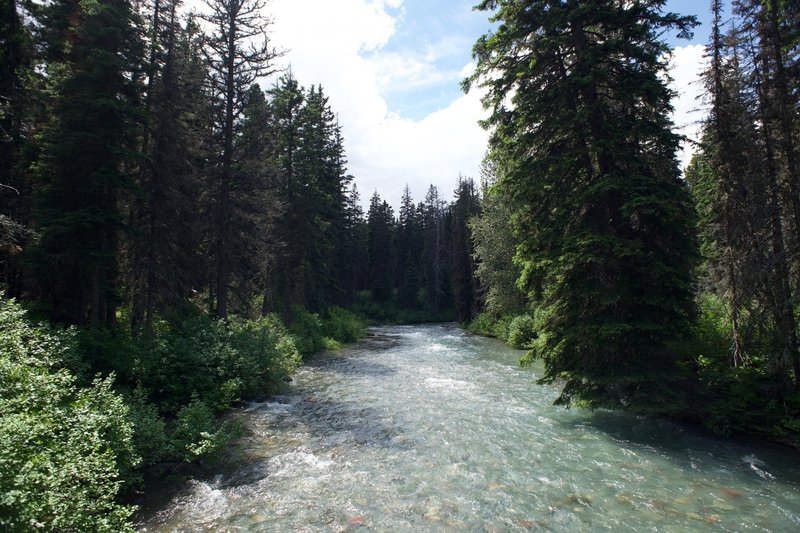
column 482, row 325
column 521, row 331
column 64, row 449
column 149, row 434
column 343, row 326
column 265, row 355
column 500, row 328
column 198, row 434
column 307, row 331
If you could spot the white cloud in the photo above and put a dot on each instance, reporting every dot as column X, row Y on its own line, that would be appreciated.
column 338, row 44
column 687, row 64
column 341, row 46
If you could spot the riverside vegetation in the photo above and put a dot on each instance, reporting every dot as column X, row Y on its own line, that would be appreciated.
column 179, row 236
column 73, row 438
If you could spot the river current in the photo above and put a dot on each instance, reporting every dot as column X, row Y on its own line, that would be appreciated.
column 427, row 428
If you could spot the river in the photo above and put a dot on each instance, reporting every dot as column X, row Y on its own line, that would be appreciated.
column 427, row 428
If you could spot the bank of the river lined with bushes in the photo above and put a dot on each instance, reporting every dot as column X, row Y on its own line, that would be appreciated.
column 75, row 444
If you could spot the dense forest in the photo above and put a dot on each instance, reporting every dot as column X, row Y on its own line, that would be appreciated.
column 174, row 236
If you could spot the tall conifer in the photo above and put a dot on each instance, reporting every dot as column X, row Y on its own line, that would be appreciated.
column 583, row 144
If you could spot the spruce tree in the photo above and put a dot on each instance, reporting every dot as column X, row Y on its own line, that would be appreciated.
column 164, row 263
column 238, row 52
column 409, row 251
column 466, row 290
column 435, row 256
column 380, row 223
column 18, row 99
column 87, row 146
column 583, row 145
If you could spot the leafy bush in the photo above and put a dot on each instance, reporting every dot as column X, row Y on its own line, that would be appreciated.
column 489, row 325
column 198, row 434
column 343, row 326
column 217, row 362
column 266, row 355
column 521, row 331
column 64, row 449
column 482, row 325
column 149, row 433
column 306, row 329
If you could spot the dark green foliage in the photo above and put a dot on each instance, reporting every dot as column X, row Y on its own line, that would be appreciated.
column 312, row 332
column 320, row 220
column 238, row 52
column 306, row 328
column 380, row 227
column 64, row 449
column 342, row 325
column 214, row 362
column 495, row 247
column 465, row 285
column 744, row 400
column 86, row 147
column 408, row 241
column 198, row 434
column 435, row 270
column 18, row 87
column 160, row 275
column 521, row 332
column 149, row 429
column 583, row 147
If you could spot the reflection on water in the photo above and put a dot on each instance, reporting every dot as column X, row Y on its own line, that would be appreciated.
column 427, row 428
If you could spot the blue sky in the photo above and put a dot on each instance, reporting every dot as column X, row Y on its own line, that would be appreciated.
column 392, row 70
column 444, row 32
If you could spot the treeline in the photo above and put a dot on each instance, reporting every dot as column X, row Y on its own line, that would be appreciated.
column 419, row 263
column 144, row 167
column 174, row 232
column 636, row 288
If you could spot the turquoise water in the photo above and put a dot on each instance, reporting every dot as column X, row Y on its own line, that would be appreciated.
column 427, row 428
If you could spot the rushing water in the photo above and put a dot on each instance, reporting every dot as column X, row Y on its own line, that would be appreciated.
column 426, row 428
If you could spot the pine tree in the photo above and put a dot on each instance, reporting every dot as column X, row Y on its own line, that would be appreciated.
column 164, row 263
column 81, row 172
column 353, row 250
column 466, row 291
column 238, row 52
column 380, row 223
column 409, row 252
column 17, row 101
column 584, row 149
column 435, row 256
column 495, row 247
column 257, row 201
column 287, row 100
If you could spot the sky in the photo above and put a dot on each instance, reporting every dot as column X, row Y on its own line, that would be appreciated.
column 392, row 70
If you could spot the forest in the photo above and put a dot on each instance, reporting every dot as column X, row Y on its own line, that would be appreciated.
column 176, row 234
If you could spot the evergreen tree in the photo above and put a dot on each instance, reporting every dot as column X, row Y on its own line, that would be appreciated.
column 17, row 85
column 583, row 146
column 466, row 291
column 238, row 52
column 164, row 264
column 435, row 263
column 256, row 201
column 81, row 173
column 380, row 224
column 353, row 250
column 409, row 252
column 287, row 100
column 495, row 246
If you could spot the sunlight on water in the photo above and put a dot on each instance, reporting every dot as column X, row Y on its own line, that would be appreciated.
column 430, row 429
